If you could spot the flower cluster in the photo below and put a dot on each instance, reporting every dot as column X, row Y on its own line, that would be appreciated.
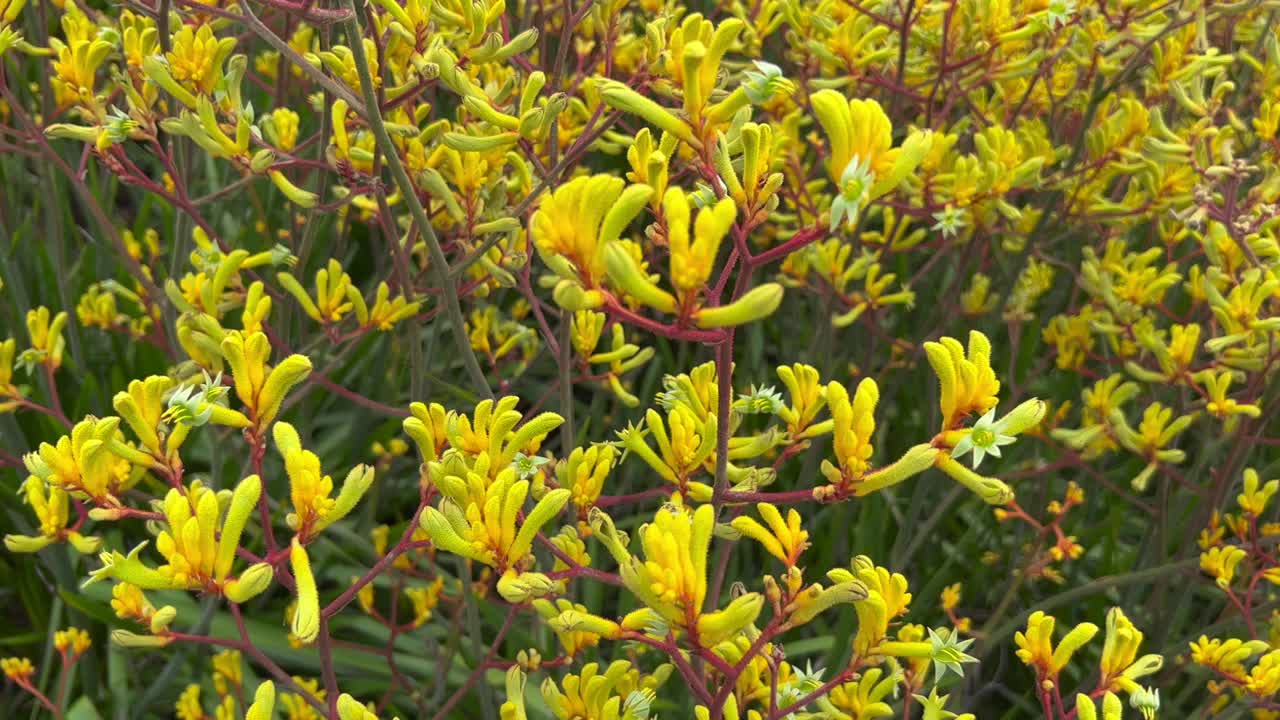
column 376, row 359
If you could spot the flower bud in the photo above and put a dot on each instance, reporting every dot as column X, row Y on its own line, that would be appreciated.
column 261, row 161
column 521, row 587
column 351, row 709
column 630, row 279
column 291, row 371
column 250, row 584
column 992, row 490
column 264, row 702
column 25, row 543
column 759, row 303
column 243, row 501
column 621, row 97
column 306, row 616
column 296, row 195
column 161, row 619
column 125, row 638
column 716, row 627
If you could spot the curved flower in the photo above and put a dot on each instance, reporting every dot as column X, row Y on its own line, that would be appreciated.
column 863, row 162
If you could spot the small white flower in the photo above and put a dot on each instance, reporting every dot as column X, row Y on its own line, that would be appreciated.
column 760, row 401
column 986, row 437
column 769, row 82
column 855, row 187
column 526, row 466
column 1145, row 701
column 949, row 652
column 1061, row 12
column 638, row 704
column 950, row 221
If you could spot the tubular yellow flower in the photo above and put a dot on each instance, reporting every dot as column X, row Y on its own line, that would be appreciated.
column 332, row 287
column 426, row 427
column 47, row 343
column 1254, row 500
column 692, row 260
column 672, row 578
column 197, row 547
column 71, row 641
column 1035, row 645
column 51, row 506
column 17, row 669
column 808, row 397
column 784, row 540
column 264, row 702
column 584, row 473
column 579, row 219
column 85, row 463
column 486, row 532
column 306, row 616
column 310, row 489
column 862, row 162
column 1121, row 666
column 197, row 57
column 574, row 625
column 142, row 407
column 1221, row 562
column 968, row 384
column 262, row 391
column 853, row 425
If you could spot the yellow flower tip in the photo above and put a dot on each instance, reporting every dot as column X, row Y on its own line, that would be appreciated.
column 351, row 709
column 306, row 616
column 264, row 702
column 756, row 304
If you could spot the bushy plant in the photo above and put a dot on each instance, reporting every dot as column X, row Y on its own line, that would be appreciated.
column 609, row 360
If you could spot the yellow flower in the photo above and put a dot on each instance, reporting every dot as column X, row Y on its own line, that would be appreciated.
column 335, row 295
column 573, row 637
column 47, row 343
column 197, row 56
column 968, row 384
column 51, row 506
column 1035, row 645
column 692, row 260
column 863, row 163
column 227, row 671
column 1264, row 678
column 584, row 473
column 1254, row 500
column 262, row 390
column 1226, row 657
column 578, row 220
column 808, row 396
column 424, row 599
column 784, row 540
column 72, row 642
column 385, row 313
column 951, row 596
column 188, row 706
column 1221, row 562
column 853, row 425
column 17, row 669
column 614, row 693
column 296, row 707
column 129, row 603
column 281, row 128
column 85, row 462
column 486, row 531
column 672, row 578
column 1121, row 666
column 862, row 699
column 310, row 489
column 199, row 545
